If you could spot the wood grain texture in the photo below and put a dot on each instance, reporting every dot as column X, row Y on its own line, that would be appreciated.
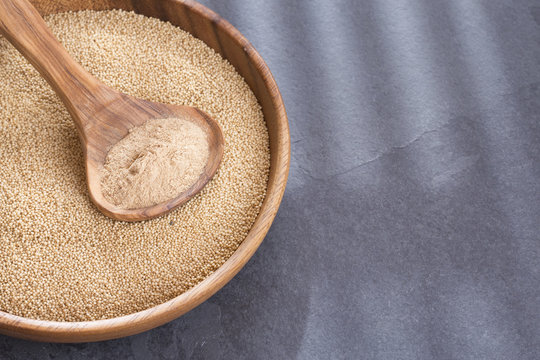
column 226, row 40
column 103, row 115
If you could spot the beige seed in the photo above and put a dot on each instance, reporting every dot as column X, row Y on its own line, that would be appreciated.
column 62, row 259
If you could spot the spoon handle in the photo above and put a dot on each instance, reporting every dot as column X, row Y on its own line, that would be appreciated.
column 23, row 26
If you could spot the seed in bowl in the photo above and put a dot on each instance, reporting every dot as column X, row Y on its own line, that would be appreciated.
column 61, row 258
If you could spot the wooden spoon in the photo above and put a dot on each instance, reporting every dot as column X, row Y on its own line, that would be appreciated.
column 103, row 116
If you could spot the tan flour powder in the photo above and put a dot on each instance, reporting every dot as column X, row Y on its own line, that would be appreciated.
column 155, row 162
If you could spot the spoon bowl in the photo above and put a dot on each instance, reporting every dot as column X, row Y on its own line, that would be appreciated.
column 110, row 124
column 103, row 116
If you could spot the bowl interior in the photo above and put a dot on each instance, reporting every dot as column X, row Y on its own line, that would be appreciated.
column 226, row 40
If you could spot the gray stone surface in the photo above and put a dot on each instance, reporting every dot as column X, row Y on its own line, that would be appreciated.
column 410, row 226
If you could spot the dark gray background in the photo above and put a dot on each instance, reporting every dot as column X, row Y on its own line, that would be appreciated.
column 410, row 226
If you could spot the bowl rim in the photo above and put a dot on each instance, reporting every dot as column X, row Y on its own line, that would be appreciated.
column 106, row 329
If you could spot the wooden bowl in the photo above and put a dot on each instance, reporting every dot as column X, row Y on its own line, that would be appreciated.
column 233, row 46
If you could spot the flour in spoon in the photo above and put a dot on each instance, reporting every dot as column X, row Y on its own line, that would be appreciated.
column 154, row 163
